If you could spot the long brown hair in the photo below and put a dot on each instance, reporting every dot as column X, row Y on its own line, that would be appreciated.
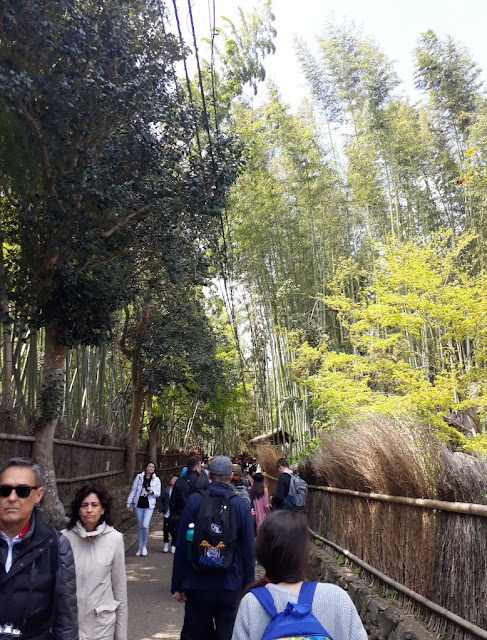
column 281, row 548
column 257, row 489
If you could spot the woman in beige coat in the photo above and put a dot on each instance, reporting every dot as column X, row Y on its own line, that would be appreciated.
column 99, row 557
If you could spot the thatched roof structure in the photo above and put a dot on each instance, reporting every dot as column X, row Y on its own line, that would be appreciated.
column 278, row 436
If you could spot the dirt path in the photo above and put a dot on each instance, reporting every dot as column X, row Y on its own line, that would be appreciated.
column 152, row 611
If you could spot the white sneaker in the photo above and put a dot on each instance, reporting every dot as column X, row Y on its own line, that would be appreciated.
column 173, row 549
column 139, row 552
column 144, row 551
column 165, row 548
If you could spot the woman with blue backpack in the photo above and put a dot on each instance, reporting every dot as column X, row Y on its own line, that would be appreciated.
column 282, row 604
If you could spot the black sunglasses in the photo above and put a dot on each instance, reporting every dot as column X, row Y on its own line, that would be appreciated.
column 22, row 490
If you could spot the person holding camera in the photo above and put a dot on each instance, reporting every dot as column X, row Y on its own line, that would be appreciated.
column 37, row 571
column 142, row 499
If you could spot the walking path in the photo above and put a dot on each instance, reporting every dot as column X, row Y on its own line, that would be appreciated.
column 153, row 613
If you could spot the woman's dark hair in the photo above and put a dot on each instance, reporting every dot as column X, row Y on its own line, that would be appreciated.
column 103, row 496
column 147, row 464
column 257, row 489
column 281, row 546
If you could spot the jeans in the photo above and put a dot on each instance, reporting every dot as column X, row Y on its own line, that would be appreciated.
column 143, row 517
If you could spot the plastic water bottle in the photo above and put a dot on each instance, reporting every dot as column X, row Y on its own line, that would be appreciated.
column 189, row 540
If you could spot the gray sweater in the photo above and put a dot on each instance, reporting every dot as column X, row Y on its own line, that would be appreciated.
column 332, row 607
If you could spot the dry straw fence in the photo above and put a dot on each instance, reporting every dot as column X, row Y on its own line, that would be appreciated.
column 395, row 497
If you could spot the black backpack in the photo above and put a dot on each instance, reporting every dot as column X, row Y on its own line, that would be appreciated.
column 215, row 534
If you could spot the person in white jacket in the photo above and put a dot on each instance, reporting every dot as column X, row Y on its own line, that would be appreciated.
column 142, row 499
column 99, row 558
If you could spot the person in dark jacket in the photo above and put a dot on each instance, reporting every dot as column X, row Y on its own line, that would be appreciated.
column 186, row 485
column 37, row 572
column 212, row 600
column 165, row 512
column 197, row 479
column 283, row 483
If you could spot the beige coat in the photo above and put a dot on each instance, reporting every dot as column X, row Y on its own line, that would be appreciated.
column 101, row 583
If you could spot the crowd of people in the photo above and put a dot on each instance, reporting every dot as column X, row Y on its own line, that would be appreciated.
column 218, row 521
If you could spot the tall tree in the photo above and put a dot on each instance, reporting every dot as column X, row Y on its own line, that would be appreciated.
column 96, row 160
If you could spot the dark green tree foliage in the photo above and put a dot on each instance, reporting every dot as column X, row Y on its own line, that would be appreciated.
column 95, row 150
column 181, row 346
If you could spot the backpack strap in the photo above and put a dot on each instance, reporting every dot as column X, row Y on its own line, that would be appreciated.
column 307, row 593
column 265, row 599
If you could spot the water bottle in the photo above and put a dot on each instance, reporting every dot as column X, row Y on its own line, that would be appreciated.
column 189, row 540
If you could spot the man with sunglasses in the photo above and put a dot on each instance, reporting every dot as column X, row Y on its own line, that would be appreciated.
column 37, row 575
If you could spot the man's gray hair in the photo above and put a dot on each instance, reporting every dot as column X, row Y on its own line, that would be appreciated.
column 25, row 462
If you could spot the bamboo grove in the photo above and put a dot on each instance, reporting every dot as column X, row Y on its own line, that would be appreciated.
column 359, row 237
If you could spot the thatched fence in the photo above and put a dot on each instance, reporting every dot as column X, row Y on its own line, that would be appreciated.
column 436, row 549
column 395, row 497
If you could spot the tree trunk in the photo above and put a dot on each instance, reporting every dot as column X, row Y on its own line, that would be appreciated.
column 153, row 425
column 6, row 334
column 133, row 433
column 49, row 412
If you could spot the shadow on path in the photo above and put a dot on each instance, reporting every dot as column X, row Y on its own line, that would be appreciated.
column 153, row 614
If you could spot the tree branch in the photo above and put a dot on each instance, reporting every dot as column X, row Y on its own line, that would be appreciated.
column 129, row 353
column 110, row 232
column 44, row 158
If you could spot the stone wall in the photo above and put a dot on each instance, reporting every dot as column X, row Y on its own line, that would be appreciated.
column 382, row 620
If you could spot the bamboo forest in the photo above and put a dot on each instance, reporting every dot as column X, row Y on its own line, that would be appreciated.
column 187, row 262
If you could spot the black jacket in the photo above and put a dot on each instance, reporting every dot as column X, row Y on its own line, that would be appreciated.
column 39, row 591
column 197, row 481
column 179, row 497
column 164, row 501
column 281, row 491
column 185, row 486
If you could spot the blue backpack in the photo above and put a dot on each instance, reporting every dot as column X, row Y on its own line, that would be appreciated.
column 296, row 621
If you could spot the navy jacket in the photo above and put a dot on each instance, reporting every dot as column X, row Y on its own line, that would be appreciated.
column 241, row 573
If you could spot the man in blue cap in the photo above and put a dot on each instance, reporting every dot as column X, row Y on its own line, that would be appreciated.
column 214, row 556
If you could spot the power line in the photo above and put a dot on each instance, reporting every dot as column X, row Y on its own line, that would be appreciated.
column 188, row 83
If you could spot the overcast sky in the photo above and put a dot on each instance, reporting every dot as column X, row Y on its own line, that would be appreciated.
column 395, row 24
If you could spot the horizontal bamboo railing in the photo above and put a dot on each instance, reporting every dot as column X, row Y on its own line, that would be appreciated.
column 438, row 505
column 93, row 476
column 70, row 443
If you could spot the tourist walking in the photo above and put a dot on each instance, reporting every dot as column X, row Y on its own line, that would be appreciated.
column 142, row 499
column 165, row 512
column 282, row 549
column 260, row 500
column 37, row 581
column 99, row 556
column 214, row 556
column 283, row 483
